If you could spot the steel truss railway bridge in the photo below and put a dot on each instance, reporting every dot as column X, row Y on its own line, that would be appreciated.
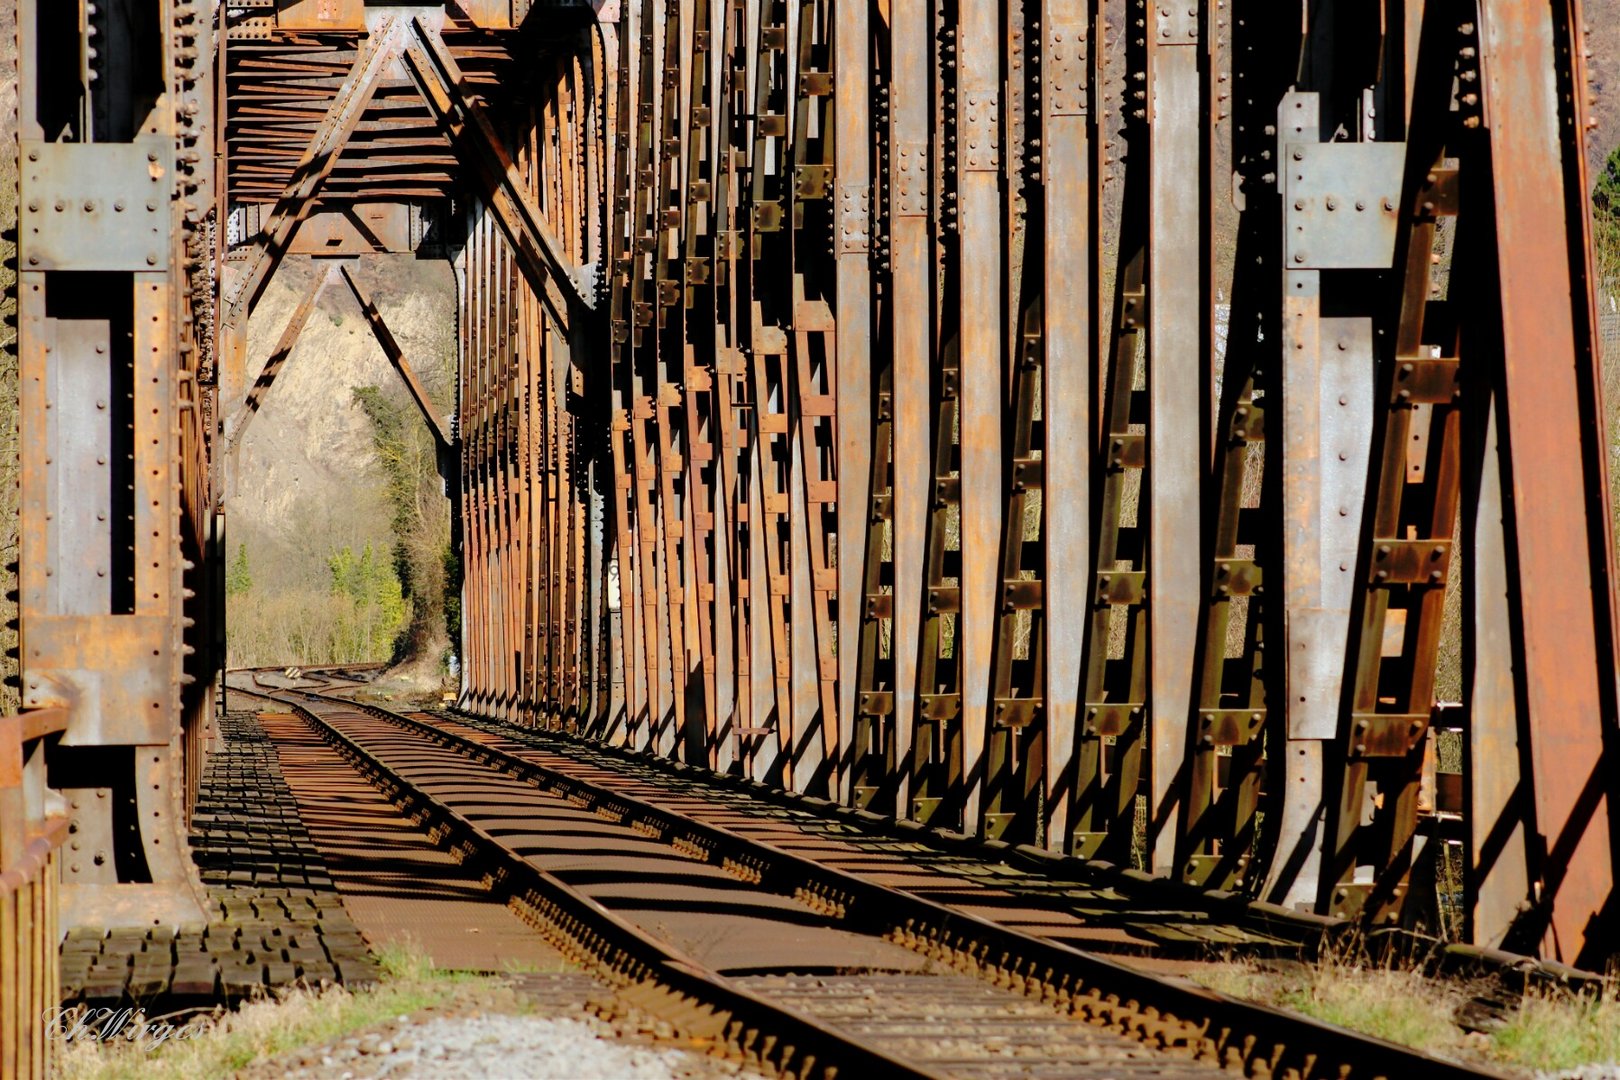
column 1094, row 424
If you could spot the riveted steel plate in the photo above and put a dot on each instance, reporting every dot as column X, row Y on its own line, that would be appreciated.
column 112, row 671
column 1176, row 23
column 1068, row 69
column 83, row 208
column 1341, row 203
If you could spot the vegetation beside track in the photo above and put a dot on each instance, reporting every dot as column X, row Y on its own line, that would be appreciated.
column 220, row 1044
column 1549, row 1033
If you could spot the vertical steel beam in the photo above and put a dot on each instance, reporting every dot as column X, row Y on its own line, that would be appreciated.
column 851, row 64
column 1178, row 377
column 982, row 365
column 1072, row 194
column 911, row 333
column 1561, row 511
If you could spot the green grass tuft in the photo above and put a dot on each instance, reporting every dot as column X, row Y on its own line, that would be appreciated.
column 1551, row 1031
column 1560, row 1031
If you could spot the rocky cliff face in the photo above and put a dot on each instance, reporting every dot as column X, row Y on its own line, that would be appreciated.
column 306, row 481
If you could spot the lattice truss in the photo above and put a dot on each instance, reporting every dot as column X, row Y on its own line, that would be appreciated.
column 1159, row 433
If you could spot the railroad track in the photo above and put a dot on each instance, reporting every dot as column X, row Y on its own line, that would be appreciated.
column 1153, row 921
column 796, row 965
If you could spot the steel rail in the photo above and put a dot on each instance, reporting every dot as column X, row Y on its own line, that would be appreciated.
column 1242, row 1034
column 651, row 975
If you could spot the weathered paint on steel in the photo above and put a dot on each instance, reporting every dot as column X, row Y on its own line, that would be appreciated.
column 1566, row 621
column 834, row 365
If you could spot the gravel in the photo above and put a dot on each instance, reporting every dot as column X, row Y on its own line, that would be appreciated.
column 482, row 1045
column 1610, row 1071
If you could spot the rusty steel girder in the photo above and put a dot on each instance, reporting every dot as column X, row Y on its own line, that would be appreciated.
column 942, row 485
column 115, row 350
column 892, row 402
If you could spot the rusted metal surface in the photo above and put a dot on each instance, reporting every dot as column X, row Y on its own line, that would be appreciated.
column 838, row 407
column 32, row 831
column 320, row 156
column 115, row 130
column 1561, row 526
column 900, row 573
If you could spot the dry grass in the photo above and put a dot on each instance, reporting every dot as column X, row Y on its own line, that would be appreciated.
column 1558, row 1032
column 1400, row 1006
column 293, row 1019
column 1551, row 1031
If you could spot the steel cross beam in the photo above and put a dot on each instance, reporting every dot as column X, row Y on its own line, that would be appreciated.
column 319, row 158
column 396, row 356
column 560, row 283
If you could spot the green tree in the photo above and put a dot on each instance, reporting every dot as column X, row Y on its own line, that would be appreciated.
column 422, row 559
column 238, row 578
column 373, row 609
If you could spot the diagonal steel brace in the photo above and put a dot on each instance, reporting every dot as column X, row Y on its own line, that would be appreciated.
column 327, row 144
column 559, row 282
column 249, row 408
column 396, row 356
